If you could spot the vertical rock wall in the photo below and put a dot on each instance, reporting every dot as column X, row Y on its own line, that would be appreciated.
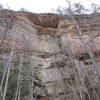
column 60, row 62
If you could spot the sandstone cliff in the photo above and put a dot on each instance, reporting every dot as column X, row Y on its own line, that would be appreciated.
column 57, row 55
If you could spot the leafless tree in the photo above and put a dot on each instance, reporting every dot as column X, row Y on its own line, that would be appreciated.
column 95, row 8
column 78, row 8
column 1, row 6
column 23, row 9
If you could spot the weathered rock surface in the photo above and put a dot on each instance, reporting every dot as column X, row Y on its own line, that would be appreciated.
column 55, row 49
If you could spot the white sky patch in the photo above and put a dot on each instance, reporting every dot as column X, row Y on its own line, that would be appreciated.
column 40, row 6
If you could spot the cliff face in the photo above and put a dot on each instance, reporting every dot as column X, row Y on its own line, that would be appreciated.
column 56, row 52
column 40, row 27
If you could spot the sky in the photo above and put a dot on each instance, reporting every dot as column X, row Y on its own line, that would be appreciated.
column 42, row 6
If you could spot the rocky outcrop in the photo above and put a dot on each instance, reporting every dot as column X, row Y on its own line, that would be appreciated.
column 57, row 53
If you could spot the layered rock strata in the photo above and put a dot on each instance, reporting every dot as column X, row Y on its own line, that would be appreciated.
column 57, row 53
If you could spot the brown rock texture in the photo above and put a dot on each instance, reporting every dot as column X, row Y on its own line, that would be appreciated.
column 55, row 50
